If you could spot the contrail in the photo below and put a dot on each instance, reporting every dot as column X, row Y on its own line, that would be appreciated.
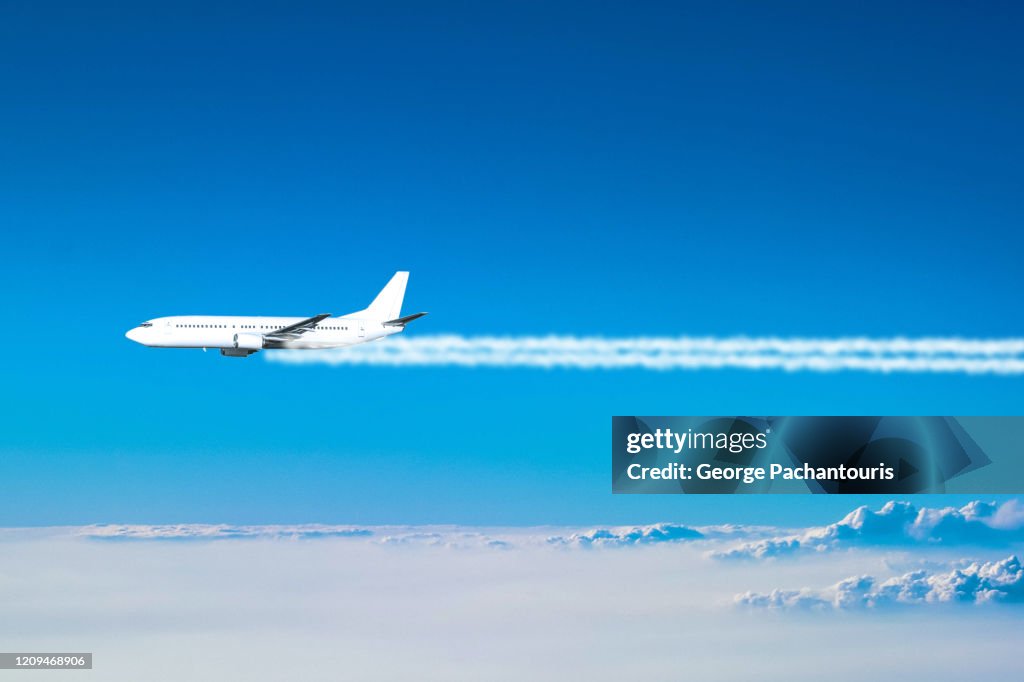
column 898, row 354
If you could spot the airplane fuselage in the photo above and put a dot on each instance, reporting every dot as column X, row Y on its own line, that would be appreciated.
column 215, row 331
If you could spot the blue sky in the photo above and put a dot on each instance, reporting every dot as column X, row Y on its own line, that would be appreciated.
column 582, row 169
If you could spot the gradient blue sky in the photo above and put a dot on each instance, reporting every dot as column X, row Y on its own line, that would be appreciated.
column 578, row 168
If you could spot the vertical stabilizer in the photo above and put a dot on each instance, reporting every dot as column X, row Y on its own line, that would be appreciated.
column 388, row 304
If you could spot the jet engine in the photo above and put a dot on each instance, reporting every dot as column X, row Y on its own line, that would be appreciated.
column 249, row 341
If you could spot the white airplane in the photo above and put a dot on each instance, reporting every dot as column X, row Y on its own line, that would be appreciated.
column 240, row 337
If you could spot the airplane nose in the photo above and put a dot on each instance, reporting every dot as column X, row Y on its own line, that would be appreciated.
column 132, row 335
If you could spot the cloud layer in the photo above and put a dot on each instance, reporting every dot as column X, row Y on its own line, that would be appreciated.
column 625, row 536
column 202, row 531
column 971, row 356
column 897, row 523
column 436, row 536
column 442, row 604
column 977, row 583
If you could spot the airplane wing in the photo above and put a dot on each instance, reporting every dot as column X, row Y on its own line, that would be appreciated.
column 294, row 331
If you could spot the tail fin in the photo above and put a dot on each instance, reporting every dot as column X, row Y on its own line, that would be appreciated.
column 388, row 304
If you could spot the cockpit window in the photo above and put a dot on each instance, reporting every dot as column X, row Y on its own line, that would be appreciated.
column 146, row 324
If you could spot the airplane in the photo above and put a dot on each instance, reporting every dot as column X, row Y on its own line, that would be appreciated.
column 240, row 337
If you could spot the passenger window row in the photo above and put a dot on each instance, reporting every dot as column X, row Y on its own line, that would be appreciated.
column 243, row 326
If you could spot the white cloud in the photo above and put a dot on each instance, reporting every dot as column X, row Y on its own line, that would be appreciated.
column 628, row 535
column 384, row 535
column 451, row 539
column 200, row 531
column 434, row 536
column 976, row 583
column 972, row 356
column 897, row 523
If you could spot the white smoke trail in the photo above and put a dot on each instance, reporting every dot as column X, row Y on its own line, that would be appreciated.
column 921, row 355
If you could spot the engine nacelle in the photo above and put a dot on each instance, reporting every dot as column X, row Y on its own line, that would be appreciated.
column 248, row 341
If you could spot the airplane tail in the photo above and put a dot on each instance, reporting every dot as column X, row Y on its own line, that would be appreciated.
column 388, row 304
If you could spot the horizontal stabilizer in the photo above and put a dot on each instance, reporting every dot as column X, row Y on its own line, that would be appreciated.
column 402, row 321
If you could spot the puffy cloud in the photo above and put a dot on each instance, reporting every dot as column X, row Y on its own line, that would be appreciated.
column 897, row 523
column 975, row 583
column 625, row 536
column 761, row 549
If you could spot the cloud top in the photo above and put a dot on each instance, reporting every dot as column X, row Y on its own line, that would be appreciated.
column 200, row 531
column 897, row 523
column 625, row 536
column 977, row 583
